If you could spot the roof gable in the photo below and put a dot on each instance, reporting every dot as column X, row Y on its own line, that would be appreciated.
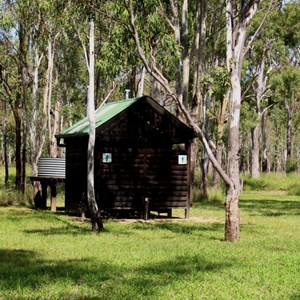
column 140, row 117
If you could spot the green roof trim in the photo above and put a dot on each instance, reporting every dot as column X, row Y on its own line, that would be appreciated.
column 102, row 115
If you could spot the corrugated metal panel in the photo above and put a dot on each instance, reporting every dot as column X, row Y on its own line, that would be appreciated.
column 52, row 167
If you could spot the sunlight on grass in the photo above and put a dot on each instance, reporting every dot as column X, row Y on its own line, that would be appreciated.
column 54, row 256
column 46, row 255
column 273, row 181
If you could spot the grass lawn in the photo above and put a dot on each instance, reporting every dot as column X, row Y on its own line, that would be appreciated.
column 46, row 255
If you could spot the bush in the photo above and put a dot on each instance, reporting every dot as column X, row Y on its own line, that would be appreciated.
column 9, row 197
column 273, row 182
column 294, row 190
column 291, row 165
column 214, row 195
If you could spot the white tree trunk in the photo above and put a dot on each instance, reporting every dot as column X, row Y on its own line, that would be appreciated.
column 36, row 140
column 257, row 130
column 142, row 81
column 236, row 28
column 255, row 166
column 97, row 224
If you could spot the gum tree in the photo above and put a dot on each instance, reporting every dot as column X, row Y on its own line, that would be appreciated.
column 238, row 18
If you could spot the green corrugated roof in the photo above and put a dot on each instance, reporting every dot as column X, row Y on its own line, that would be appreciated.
column 105, row 113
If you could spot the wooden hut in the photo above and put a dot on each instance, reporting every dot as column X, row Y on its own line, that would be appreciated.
column 142, row 158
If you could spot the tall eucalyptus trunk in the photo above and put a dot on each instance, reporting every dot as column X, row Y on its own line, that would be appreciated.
column 141, row 84
column 185, row 53
column 256, row 132
column 201, row 102
column 237, row 22
column 18, row 113
column 255, row 137
column 289, row 128
column 97, row 224
column 5, row 146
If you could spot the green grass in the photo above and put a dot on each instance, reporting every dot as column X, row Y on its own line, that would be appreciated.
column 273, row 181
column 9, row 196
column 54, row 256
column 46, row 255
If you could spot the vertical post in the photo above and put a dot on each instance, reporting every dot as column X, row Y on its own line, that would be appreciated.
column 53, row 194
column 146, row 209
column 189, row 183
column 44, row 194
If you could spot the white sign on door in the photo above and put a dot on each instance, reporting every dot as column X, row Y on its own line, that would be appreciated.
column 106, row 157
column 182, row 159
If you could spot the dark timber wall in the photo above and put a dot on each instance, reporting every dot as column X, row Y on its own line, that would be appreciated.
column 144, row 143
column 76, row 172
column 137, row 174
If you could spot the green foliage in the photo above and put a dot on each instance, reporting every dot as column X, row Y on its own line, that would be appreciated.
column 216, row 196
column 294, row 190
column 249, row 117
column 220, row 82
column 292, row 164
column 286, row 83
column 272, row 182
column 8, row 194
column 292, row 33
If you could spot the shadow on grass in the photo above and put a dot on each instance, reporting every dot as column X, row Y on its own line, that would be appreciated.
column 215, row 204
column 64, row 227
column 24, row 272
column 254, row 185
column 60, row 224
column 180, row 228
column 271, row 208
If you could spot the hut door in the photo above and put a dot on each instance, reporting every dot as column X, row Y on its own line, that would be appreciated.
column 121, row 182
column 166, row 179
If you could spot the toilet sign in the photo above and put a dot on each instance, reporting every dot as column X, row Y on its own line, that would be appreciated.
column 106, row 157
column 182, row 159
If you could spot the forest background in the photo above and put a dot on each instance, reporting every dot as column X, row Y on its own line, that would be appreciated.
column 161, row 48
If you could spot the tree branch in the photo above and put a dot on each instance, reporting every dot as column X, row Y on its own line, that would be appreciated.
column 162, row 80
column 259, row 27
column 83, row 47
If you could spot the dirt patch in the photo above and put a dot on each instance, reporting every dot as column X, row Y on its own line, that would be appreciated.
column 167, row 220
column 155, row 219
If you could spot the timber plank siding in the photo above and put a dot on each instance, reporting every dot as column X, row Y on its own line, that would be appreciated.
column 136, row 158
column 138, row 174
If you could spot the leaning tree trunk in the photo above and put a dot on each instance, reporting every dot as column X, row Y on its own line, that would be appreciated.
column 218, row 154
column 235, row 45
column 219, row 144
